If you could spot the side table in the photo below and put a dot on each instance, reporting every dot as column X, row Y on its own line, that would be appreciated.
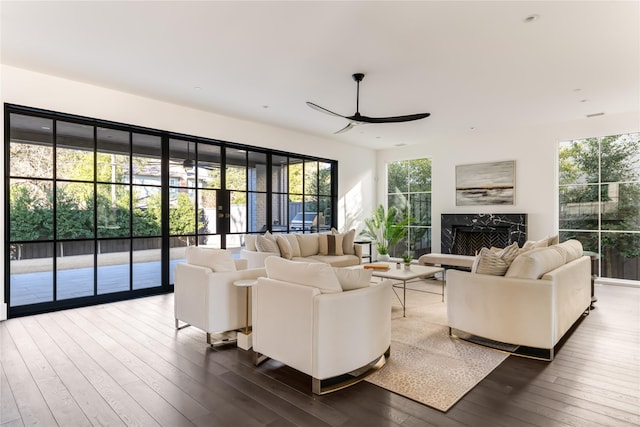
column 244, row 337
column 594, row 267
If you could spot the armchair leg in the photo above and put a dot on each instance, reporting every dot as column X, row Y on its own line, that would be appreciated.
column 258, row 358
column 329, row 385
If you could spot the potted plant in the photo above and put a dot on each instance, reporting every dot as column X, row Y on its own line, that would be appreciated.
column 384, row 231
column 406, row 259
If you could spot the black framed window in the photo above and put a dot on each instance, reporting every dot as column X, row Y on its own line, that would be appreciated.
column 98, row 211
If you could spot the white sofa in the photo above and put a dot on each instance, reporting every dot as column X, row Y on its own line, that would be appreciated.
column 543, row 293
column 204, row 293
column 312, row 247
column 304, row 319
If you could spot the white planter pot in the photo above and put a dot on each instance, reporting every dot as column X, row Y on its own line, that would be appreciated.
column 384, row 257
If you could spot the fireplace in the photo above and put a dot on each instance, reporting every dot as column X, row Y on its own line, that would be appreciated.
column 464, row 234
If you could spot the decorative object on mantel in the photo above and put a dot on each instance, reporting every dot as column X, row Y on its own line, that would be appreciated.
column 384, row 230
column 486, row 184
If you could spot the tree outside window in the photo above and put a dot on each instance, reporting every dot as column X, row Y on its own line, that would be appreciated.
column 599, row 191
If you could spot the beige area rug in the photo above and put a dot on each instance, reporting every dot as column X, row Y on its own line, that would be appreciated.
column 427, row 365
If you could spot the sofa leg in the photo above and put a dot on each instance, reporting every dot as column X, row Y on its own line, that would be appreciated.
column 209, row 338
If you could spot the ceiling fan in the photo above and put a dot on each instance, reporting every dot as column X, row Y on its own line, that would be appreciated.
column 358, row 119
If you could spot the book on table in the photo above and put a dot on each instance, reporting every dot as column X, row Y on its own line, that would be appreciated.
column 378, row 267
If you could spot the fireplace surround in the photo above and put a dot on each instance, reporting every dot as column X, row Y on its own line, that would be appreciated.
column 464, row 234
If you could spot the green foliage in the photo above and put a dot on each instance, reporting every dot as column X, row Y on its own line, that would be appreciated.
column 30, row 215
column 74, row 214
column 601, row 175
column 182, row 217
column 385, row 229
column 406, row 258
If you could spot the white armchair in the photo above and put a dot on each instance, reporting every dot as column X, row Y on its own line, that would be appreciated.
column 204, row 293
column 321, row 331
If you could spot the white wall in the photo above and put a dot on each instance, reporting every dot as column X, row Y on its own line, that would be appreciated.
column 356, row 188
column 535, row 151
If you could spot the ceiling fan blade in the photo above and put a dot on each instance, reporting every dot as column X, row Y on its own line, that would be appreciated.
column 346, row 128
column 396, row 119
column 323, row 110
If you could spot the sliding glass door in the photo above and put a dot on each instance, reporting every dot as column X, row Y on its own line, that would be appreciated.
column 97, row 211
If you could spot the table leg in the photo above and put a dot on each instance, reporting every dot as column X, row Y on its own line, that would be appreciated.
column 246, row 328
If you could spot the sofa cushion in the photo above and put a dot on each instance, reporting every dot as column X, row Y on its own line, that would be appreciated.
column 215, row 259
column 330, row 244
column 317, row 275
column 353, row 278
column 535, row 263
column 285, row 247
column 265, row 244
column 308, row 244
column 495, row 263
column 348, row 240
column 335, row 260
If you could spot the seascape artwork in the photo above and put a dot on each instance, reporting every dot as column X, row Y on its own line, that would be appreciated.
column 485, row 184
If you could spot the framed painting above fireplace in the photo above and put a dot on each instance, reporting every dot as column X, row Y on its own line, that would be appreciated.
column 486, row 184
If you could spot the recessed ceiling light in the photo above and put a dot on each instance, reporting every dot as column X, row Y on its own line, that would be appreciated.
column 401, row 144
column 46, row 128
column 531, row 18
column 265, row 106
column 595, row 114
column 197, row 88
column 584, row 100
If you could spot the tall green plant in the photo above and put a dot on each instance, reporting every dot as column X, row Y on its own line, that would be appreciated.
column 384, row 229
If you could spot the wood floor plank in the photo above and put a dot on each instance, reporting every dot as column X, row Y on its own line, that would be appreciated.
column 31, row 404
column 93, row 405
column 8, row 408
column 106, row 376
column 125, row 364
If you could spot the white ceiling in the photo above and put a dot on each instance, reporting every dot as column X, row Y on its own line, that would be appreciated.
column 475, row 65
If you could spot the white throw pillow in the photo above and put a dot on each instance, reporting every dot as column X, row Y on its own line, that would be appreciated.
column 293, row 242
column 215, row 259
column 353, row 278
column 495, row 261
column 317, row 275
column 330, row 244
column 308, row 244
column 264, row 244
column 250, row 242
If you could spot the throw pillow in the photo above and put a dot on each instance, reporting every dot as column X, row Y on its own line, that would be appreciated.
column 317, row 275
column 353, row 278
column 330, row 244
column 348, row 239
column 250, row 242
column 308, row 244
column 495, row 263
column 535, row 244
column 285, row 247
column 270, row 236
column 295, row 247
column 264, row 244
column 215, row 259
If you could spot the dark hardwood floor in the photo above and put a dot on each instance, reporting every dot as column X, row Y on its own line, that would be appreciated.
column 124, row 364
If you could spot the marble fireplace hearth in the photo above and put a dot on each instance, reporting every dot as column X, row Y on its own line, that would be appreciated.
column 464, row 234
